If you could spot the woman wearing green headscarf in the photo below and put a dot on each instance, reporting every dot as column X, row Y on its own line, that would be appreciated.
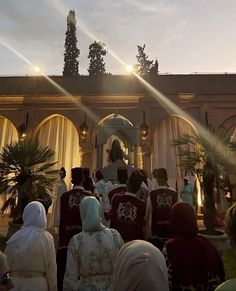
column 91, row 253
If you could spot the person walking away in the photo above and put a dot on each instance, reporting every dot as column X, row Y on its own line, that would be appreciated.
column 100, row 190
column 70, row 222
column 187, row 192
column 161, row 200
column 120, row 188
column 92, row 252
column 193, row 262
column 60, row 188
column 128, row 212
column 140, row 266
column 30, row 253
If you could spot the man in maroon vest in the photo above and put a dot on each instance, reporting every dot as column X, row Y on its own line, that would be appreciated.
column 128, row 212
column 162, row 198
column 70, row 222
column 120, row 188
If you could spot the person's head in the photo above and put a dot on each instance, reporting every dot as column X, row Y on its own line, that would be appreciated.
column 140, row 266
column 86, row 172
column 186, row 180
column 77, row 176
column 34, row 215
column 122, row 175
column 154, row 173
column 144, row 173
column 98, row 175
column 183, row 221
column 134, row 182
column 161, row 176
column 62, row 173
column 230, row 224
column 90, row 214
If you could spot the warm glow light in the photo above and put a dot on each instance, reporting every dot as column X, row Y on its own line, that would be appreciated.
column 36, row 69
column 129, row 68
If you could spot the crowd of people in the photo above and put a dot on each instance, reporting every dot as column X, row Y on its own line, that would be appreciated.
column 122, row 237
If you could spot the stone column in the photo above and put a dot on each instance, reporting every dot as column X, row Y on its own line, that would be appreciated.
column 100, row 157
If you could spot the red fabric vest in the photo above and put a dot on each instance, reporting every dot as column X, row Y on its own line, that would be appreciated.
column 116, row 191
column 70, row 221
column 127, row 216
column 162, row 199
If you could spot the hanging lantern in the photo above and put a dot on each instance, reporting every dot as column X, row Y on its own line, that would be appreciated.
column 144, row 129
column 84, row 129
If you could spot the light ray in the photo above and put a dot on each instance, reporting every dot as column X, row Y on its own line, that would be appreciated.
column 84, row 108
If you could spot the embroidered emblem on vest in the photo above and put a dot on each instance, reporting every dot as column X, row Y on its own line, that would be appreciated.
column 164, row 200
column 126, row 211
column 74, row 200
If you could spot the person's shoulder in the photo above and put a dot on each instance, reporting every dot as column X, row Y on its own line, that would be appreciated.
column 228, row 285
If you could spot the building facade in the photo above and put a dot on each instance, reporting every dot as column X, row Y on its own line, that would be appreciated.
column 80, row 117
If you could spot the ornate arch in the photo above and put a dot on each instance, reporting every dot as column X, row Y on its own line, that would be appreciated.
column 226, row 129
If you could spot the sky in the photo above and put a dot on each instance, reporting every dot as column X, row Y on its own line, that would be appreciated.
column 186, row 36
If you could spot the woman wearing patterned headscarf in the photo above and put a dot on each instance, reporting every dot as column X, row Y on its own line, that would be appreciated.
column 193, row 262
column 92, row 252
column 230, row 225
column 30, row 252
column 140, row 266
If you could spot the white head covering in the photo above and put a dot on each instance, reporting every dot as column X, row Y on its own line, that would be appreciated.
column 90, row 213
column 140, row 266
column 34, row 221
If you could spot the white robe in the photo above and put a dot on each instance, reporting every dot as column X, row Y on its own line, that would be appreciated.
column 38, row 259
column 59, row 190
column 91, row 256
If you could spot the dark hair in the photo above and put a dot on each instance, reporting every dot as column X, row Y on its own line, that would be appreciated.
column 62, row 169
column 77, row 176
column 86, row 172
column 134, row 182
column 162, row 173
column 144, row 173
column 88, row 184
column 98, row 175
column 122, row 175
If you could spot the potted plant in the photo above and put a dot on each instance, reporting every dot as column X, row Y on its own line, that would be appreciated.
column 26, row 174
column 205, row 156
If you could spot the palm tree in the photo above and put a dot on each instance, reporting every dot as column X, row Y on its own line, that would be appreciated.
column 26, row 173
column 205, row 156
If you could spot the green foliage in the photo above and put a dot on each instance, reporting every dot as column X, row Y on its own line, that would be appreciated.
column 27, row 173
column 144, row 65
column 154, row 70
column 71, row 63
column 97, row 64
column 201, row 154
column 205, row 155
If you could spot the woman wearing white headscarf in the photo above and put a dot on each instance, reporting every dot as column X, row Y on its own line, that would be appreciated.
column 30, row 252
column 140, row 266
column 91, row 253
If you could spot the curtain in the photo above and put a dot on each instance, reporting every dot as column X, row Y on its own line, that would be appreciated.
column 165, row 156
column 8, row 134
column 60, row 134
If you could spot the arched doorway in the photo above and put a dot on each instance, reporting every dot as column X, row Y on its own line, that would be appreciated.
column 60, row 134
column 116, row 126
column 165, row 156
column 8, row 134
